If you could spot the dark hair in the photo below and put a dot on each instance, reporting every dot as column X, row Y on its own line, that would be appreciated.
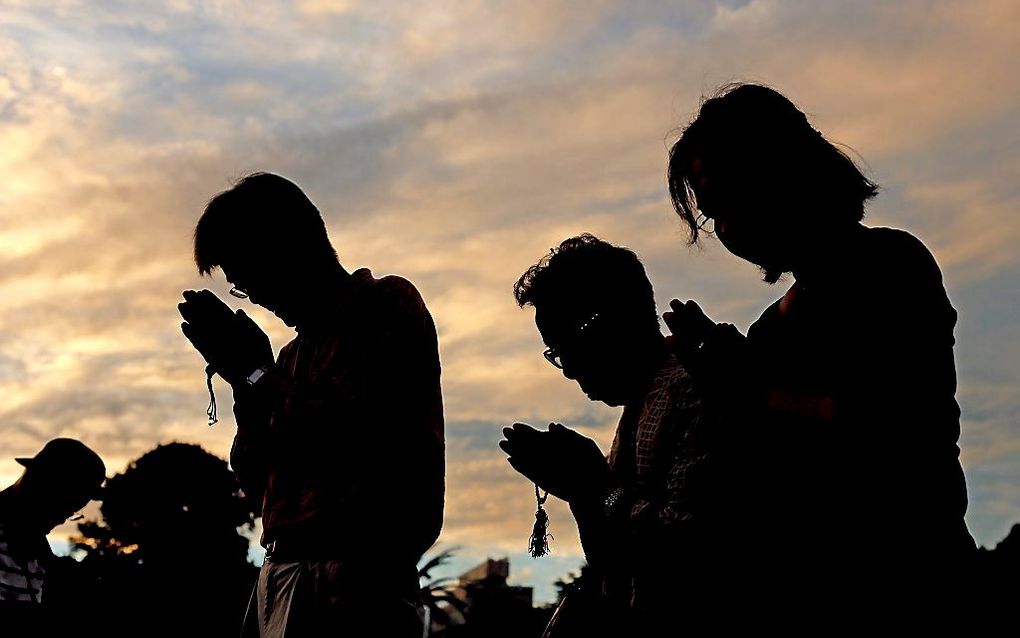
column 263, row 212
column 587, row 265
column 760, row 135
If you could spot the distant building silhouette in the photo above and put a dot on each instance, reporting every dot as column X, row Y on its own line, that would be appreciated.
column 492, row 607
column 485, row 587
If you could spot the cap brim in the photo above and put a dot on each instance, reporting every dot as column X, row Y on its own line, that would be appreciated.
column 24, row 460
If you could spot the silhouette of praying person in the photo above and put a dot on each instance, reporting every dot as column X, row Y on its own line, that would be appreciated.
column 847, row 383
column 341, row 439
column 57, row 482
column 645, row 515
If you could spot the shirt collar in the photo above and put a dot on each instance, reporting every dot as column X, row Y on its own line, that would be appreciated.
column 339, row 305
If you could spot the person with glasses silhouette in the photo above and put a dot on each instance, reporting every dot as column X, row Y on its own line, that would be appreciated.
column 340, row 440
column 648, row 513
column 847, row 382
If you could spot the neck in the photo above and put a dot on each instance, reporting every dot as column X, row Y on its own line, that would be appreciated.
column 653, row 357
column 827, row 254
column 337, row 279
column 19, row 514
column 329, row 289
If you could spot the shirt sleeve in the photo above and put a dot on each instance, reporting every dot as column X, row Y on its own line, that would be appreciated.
column 663, row 519
column 250, row 450
column 900, row 391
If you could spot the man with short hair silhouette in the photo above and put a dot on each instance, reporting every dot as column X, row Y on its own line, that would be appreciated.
column 341, row 438
column 57, row 482
column 648, row 515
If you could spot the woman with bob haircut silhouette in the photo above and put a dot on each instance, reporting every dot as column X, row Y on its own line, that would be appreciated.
column 846, row 385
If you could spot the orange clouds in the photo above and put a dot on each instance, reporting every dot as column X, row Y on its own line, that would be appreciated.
column 454, row 144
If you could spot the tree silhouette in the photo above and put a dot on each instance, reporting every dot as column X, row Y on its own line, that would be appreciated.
column 175, row 501
column 436, row 593
column 167, row 556
column 570, row 584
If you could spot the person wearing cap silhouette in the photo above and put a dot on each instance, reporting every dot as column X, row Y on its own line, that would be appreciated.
column 57, row 482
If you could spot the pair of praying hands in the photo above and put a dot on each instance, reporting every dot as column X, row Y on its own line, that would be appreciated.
column 561, row 461
column 231, row 343
column 568, row 464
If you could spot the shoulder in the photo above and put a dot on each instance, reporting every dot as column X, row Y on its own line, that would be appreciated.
column 897, row 252
column 397, row 298
column 399, row 290
column 397, row 295
column 901, row 273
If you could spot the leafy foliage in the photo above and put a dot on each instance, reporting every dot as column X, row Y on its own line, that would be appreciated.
column 436, row 593
column 175, row 500
column 168, row 557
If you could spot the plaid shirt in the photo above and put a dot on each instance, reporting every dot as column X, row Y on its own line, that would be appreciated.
column 654, row 533
column 345, row 446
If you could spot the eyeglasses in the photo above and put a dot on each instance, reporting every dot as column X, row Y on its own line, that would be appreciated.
column 705, row 223
column 554, row 356
column 238, row 292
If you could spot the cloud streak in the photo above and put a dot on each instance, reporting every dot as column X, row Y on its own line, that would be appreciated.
column 454, row 143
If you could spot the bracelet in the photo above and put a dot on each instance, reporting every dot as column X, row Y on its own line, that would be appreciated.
column 612, row 500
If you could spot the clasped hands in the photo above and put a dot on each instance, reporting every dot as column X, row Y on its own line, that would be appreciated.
column 561, row 461
column 689, row 327
column 568, row 464
column 231, row 343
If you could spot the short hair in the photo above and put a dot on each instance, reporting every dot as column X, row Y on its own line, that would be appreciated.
column 262, row 211
column 754, row 129
column 583, row 265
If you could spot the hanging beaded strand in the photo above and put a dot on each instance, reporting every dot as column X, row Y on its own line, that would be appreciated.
column 210, row 412
column 539, row 543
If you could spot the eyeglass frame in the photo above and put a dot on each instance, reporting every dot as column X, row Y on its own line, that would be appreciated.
column 553, row 354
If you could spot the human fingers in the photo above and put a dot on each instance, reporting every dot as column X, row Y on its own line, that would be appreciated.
column 197, row 339
column 523, row 431
column 185, row 310
column 696, row 314
column 559, row 430
column 212, row 305
column 522, row 466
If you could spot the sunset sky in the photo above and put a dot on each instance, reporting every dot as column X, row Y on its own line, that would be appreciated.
column 453, row 143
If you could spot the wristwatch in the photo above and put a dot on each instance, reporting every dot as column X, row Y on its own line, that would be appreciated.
column 260, row 372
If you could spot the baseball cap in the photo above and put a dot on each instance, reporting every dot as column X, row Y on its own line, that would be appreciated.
column 73, row 459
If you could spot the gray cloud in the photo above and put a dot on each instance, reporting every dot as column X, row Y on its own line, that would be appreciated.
column 454, row 144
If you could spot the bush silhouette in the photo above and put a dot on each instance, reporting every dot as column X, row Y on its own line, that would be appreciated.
column 167, row 556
